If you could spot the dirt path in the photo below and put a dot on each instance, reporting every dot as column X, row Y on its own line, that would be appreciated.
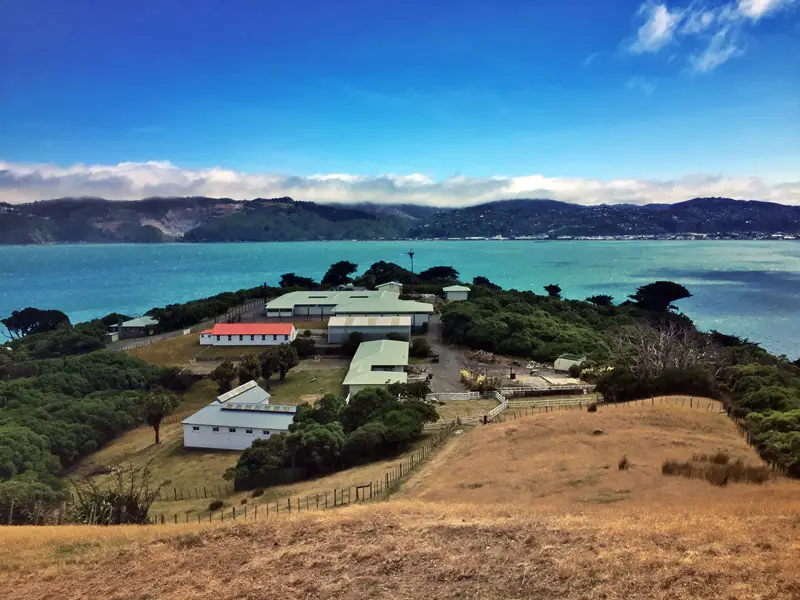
column 447, row 372
column 418, row 480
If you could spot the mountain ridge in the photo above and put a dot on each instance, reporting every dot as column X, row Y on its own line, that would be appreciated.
column 205, row 219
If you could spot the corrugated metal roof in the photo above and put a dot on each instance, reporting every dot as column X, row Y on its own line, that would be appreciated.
column 249, row 392
column 383, row 353
column 383, row 305
column 340, row 321
column 456, row 288
column 252, row 329
column 216, row 415
column 290, row 300
column 141, row 322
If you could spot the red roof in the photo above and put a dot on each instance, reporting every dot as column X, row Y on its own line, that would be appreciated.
column 205, row 332
column 252, row 329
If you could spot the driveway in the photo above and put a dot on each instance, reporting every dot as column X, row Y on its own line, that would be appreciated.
column 447, row 372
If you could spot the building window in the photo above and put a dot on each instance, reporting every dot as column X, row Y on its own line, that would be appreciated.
column 241, row 338
column 252, row 338
column 195, row 428
column 263, row 338
column 215, row 429
column 219, row 336
column 250, row 431
column 232, row 429
column 266, row 432
column 274, row 338
column 230, row 337
column 286, row 337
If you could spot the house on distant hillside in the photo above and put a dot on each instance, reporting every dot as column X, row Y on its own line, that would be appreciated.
column 455, row 292
column 377, row 364
column 135, row 328
column 565, row 361
column 370, row 328
column 248, row 334
column 235, row 419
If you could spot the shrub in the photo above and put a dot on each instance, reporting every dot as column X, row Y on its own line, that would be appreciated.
column 215, row 505
column 307, row 333
column 575, row 371
column 305, row 347
column 424, row 328
column 591, row 407
column 717, row 469
column 258, row 492
column 420, row 348
column 243, row 502
column 623, row 463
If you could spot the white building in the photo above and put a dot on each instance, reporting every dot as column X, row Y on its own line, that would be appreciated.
column 321, row 305
column 235, row 419
column 248, row 334
column 391, row 286
column 370, row 328
column 377, row 364
column 455, row 292
column 565, row 361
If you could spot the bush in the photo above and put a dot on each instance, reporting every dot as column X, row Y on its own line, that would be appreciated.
column 717, row 469
column 352, row 343
column 243, row 502
column 591, row 407
column 575, row 371
column 424, row 328
column 215, row 505
column 420, row 348
column 307, row 333
column 305, row 347
column 258, row 492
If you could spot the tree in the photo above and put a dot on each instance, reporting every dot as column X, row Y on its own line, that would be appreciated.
column 305, row 346
column 383, row 272
column 290, row 280
column 603, row 300
column 270, row 363
column 484, row 281
column 287, row 359
column 158, row 405
column 33, row 320
column 659, row 296
column 352, row 343
column 315, row 446
column 415, row 390
column 420, row 348
column 438, row 274
column 249, row 368
column 553, row 290
column 339, row 273
column 224, row 376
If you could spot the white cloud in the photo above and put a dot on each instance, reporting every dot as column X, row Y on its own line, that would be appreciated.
column 712, row 34
column 590, row 59
column 127, row 181
column 657, row 30
column 642, row 84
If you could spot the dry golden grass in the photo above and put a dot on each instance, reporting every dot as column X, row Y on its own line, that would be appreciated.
column 556, row 525
column 452, row 409
column 555, row 459
column 420, row 550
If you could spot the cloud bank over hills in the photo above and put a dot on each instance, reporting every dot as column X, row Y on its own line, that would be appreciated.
column 21, row 183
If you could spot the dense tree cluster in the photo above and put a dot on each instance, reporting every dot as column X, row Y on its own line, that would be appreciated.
column 333, row 434
column 178, row 316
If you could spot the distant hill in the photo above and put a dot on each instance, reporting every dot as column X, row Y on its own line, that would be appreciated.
column 201, row 219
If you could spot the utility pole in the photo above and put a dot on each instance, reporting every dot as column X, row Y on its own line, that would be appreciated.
column 411, row 255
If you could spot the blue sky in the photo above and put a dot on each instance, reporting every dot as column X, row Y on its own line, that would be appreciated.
column 670, row 96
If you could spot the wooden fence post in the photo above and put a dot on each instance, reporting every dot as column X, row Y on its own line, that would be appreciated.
column 289, row 504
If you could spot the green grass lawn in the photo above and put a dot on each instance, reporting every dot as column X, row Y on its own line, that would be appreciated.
column 307, row 385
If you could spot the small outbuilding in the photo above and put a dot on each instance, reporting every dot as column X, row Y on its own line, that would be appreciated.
column 370, row 328
column 248, row 334
column 235, row 419
column 565, row 361
column 377, row 364
column 135, row 328
column 455, row 292
column 391, row 286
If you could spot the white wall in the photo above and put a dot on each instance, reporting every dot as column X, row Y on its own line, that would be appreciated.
column 204, row 437
column 283, row 314
column 390, row 288
column 417, row 319
column 453, row 296
column 313, row 311
column 563, row 364
column 247, row 340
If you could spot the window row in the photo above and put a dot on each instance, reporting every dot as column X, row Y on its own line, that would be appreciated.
column 253, row 338
column 231, row 430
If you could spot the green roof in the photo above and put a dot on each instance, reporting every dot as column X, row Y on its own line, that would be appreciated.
column 389, row 304
column 380, row 353
column 290, row 300
column 141, row 322
column 456, row 288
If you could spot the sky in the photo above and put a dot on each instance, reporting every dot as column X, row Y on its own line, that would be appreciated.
column 445, row 103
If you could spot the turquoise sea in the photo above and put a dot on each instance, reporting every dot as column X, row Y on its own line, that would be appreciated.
column 751, row 289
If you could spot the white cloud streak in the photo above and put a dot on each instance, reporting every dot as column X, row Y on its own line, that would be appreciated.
column 642, row 84
column 130, row 181
column 716, row 33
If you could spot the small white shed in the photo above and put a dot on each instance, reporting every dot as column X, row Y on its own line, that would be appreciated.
column 565, row 361
column 390, row 286
column 455, row 292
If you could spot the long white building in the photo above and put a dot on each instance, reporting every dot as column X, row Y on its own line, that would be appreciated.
column 248, row 334
column 235, row 419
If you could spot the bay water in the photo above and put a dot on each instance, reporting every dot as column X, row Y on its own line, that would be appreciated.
column 747, row 288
